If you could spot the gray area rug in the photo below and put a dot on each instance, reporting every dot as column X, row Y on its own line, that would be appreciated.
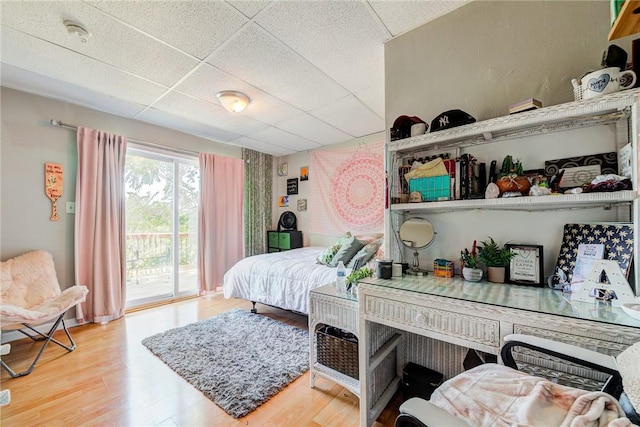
column 237, row 359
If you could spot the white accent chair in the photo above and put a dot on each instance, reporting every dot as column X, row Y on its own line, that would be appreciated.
column 493, row 394
column 31, row 296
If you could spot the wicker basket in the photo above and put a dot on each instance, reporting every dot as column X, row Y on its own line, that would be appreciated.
column 339, row 353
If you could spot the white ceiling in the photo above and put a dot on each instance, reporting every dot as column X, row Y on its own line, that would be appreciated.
column 314, row 70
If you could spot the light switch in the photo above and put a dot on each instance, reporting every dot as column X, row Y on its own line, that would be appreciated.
column 71, row 207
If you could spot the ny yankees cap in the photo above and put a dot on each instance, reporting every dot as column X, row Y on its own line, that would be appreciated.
column 450, row 119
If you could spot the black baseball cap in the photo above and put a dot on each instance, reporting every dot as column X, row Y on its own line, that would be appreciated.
column 450, row 119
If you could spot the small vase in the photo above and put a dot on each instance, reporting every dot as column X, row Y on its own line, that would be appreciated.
column 512, row 183
column 496, row 274
column 472, row 274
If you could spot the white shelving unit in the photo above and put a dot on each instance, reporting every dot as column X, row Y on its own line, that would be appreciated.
column 579, row 128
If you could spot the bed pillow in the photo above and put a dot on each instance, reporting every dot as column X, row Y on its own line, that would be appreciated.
column 366, row 253
column 327, row 255
column 350, row 247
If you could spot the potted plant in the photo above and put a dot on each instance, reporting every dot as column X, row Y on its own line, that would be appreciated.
column 470, row 269
column 355, row 276
column 511, row 177
column 496, row 258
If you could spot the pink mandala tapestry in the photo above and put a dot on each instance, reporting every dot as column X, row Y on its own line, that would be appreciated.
column 348, row 190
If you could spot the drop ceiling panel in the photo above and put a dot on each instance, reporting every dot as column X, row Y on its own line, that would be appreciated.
column 162, row 118
column 343, row 39
column 402, row 16
column 207, row 80
column 142, row 56
column 307, row 126
column 208, row 114
column 27, row 81
column 373, row 97
column 188, row 19
column 257, row 58
column 262, row 146
column 23, row 51
column 351, row 116
column 250, row 8
column 284, row 139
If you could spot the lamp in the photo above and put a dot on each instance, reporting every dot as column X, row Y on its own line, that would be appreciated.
column 233, row 101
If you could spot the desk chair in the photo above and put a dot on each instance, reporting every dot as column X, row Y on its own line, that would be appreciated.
column 497, row 395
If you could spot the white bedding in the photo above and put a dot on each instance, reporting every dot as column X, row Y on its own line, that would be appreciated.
column 281, row 279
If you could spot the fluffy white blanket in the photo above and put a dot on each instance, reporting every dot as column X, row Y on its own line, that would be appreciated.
column 495, row 395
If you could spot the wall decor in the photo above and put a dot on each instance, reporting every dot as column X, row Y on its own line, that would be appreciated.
column 283, row 169
column 617, row 239
column 292, row 186
column 283, row 201
column 302, row 205
column 304, row 173
column 53, row 186
column 527, row 267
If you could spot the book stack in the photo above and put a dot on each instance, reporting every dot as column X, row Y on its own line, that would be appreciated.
column 526, row 105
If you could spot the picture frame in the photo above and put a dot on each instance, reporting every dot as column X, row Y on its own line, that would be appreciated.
column 302, row 205
column 292, row 186
column 283, row 169
column 527, row 267
column 304, row 173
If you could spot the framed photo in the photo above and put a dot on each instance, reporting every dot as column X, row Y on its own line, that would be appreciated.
column 527, row 267
column 292, row 186
column 302, row 205
column 304, row 173
column 283, row 169
column 283, row 201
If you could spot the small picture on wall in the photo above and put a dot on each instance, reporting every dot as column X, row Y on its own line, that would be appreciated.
column 302, row 205
column 304, row 173
column 292, row 186
column 283, row 201
column 283, row 169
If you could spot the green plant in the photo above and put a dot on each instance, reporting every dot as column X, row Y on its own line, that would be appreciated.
column 470, row 259
column 493, row 255
column 510, row 167
column 358, row 275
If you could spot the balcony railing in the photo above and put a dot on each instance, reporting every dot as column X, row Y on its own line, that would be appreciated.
column 150, row 255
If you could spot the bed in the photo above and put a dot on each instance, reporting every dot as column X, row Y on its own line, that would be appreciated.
column 280, row 279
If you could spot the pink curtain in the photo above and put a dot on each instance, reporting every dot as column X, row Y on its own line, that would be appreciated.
column 220, row 224
column 100, row 224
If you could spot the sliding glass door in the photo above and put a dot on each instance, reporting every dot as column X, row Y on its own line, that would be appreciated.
column 162, row 192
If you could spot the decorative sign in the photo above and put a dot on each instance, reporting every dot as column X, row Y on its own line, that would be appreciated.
column 304, row 173
column 605, row 282
column 53, row 186
column 283, row 170
column 292, row 186
column 302, row 205
column 526, row 268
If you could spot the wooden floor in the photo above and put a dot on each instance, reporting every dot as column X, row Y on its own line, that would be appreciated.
column 111, row 379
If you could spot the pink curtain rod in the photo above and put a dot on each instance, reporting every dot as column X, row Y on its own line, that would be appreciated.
column 59, row 123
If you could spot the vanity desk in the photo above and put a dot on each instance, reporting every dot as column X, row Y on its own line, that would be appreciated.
column 440, row 319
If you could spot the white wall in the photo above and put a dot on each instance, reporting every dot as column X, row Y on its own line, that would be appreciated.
column 294, row 162
column 28, row 142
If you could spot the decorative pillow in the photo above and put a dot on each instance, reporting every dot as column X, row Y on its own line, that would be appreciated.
column 327, row 255
column 347, row 251
column 366, row 253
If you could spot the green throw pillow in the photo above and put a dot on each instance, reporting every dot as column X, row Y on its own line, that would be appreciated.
column 327, row 255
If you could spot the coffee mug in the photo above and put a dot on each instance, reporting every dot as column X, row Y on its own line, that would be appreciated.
column 607, row 80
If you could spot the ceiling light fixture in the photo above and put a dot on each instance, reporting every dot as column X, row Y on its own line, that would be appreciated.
column 77, row 30
column 233, row 101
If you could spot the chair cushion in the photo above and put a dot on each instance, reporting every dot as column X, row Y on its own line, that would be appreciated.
column 28, row 279
column 629, row 367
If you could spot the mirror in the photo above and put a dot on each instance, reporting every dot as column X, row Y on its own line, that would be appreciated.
column 416, row 233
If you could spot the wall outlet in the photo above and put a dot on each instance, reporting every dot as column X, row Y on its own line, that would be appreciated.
column 71, row 207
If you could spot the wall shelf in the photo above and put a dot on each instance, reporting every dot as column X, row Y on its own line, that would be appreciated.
column 528, row 203
column 627, row 22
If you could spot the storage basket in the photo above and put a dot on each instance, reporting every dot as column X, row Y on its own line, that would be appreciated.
column 433, row 188
column 338, row 350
